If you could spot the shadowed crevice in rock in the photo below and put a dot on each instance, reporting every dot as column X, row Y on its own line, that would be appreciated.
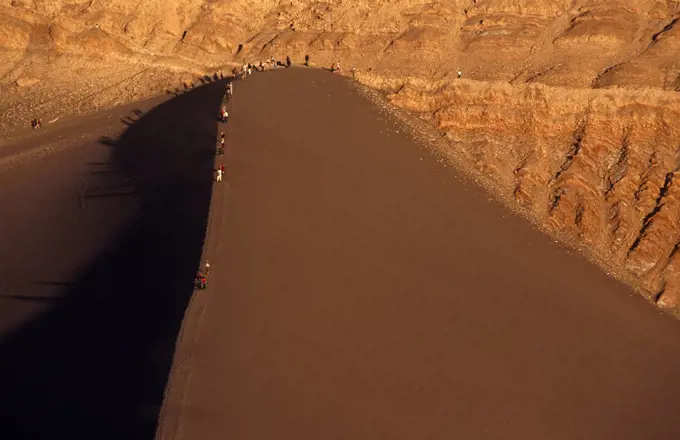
column 649, row 217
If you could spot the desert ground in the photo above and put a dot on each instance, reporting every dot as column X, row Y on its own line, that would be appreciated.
column 455, row 235
column 360, row 286
column 568, row 110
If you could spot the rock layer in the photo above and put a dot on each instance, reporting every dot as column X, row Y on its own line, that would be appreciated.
column 569, row 107
column 579, row 43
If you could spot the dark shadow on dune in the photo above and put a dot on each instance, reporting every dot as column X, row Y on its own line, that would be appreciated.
column 94, row 366
column 32, row 298
column 113, row 194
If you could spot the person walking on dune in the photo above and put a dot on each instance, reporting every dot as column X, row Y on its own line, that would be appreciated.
column 201, row 282
column 307, row 60
column 220, row 149
column 222, row 169
column 219, row 175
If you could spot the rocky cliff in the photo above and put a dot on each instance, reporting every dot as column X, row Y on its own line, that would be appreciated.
column 568, row 108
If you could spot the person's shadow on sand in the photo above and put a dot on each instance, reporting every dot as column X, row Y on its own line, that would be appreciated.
column 96, row 363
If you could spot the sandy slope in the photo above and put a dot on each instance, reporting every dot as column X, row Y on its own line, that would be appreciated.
column 361, row 289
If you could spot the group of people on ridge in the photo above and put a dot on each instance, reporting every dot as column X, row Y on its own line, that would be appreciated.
column 201, row 281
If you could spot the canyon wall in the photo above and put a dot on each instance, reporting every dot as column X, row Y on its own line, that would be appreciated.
column 567, row 43
column 569, row 109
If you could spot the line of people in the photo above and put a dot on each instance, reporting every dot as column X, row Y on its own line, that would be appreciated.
column 248, row 69
column 201, row 279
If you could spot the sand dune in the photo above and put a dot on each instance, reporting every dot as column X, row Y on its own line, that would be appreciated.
column 360, row 289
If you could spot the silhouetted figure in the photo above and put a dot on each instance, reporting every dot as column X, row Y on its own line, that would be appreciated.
column 201, row 282
column 184, row 34
column 240, row 48
column 307, row 60
column 288, row 62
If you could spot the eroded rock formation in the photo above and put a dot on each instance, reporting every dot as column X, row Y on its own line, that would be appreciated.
column 570, row 108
